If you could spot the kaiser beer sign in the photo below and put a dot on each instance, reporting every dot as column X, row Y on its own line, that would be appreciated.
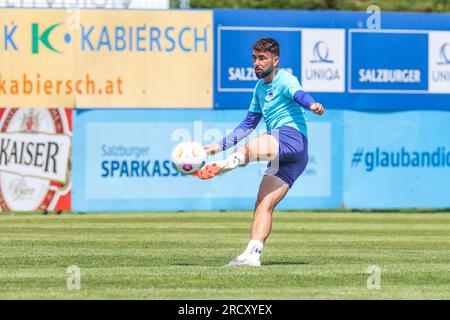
column 35, row 152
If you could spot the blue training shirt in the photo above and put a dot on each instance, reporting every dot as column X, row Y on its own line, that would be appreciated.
column 275, row 100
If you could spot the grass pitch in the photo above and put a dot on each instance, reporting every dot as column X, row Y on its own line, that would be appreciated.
column 309, row 255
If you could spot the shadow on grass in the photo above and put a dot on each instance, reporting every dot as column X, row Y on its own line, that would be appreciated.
column 283, row 263
column 269, row 263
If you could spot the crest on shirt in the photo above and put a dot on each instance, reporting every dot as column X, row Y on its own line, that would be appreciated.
column 269, row 96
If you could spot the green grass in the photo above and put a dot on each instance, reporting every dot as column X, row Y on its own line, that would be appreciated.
column 309, row 255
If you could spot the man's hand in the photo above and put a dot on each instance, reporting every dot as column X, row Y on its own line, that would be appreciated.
column 211, row 149
column 317, row 108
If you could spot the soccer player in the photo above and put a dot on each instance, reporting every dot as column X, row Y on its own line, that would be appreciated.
column 276, row 98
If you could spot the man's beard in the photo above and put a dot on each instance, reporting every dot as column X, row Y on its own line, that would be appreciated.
column 264, row 73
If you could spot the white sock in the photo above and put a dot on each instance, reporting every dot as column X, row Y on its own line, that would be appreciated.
column 254, row 249
column 237, row 156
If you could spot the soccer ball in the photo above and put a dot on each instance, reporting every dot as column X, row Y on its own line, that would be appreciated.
column 189, row 157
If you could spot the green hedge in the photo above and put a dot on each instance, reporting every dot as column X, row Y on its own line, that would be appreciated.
column 352, row 5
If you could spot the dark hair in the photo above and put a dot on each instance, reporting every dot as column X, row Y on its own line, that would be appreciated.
column 267, row 44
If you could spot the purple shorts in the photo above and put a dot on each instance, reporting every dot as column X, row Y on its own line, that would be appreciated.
column 292, row 156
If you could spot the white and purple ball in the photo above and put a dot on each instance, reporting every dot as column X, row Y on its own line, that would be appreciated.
column 189, row 157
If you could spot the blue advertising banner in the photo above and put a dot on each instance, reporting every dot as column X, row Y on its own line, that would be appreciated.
column 236, row 73
column 122, row 163
column 397, row 160
column 339, row 57
column 385, row 62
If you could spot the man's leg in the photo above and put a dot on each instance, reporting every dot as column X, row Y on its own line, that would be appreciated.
column 262, row 148
column 271, row 191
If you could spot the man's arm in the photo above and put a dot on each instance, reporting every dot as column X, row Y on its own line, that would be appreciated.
column 305, row 100
column 240, row 132
column 295, row 91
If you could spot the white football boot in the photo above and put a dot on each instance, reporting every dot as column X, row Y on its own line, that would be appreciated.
column 217, row 168
column 244, row 261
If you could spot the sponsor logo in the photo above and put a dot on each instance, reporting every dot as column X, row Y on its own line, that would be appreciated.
column 323, row 59
column 439, row 62
column 43, row 38
column 144, row 39
column 389, row 62
column 390, row 75
column 444, row 54
column 121, row 161
column 34, row 158
column 246, row 73
column 321, row 53
column 117, row 38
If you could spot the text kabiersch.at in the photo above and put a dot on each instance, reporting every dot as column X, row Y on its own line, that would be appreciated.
column 379, row 158
column 39, row 85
